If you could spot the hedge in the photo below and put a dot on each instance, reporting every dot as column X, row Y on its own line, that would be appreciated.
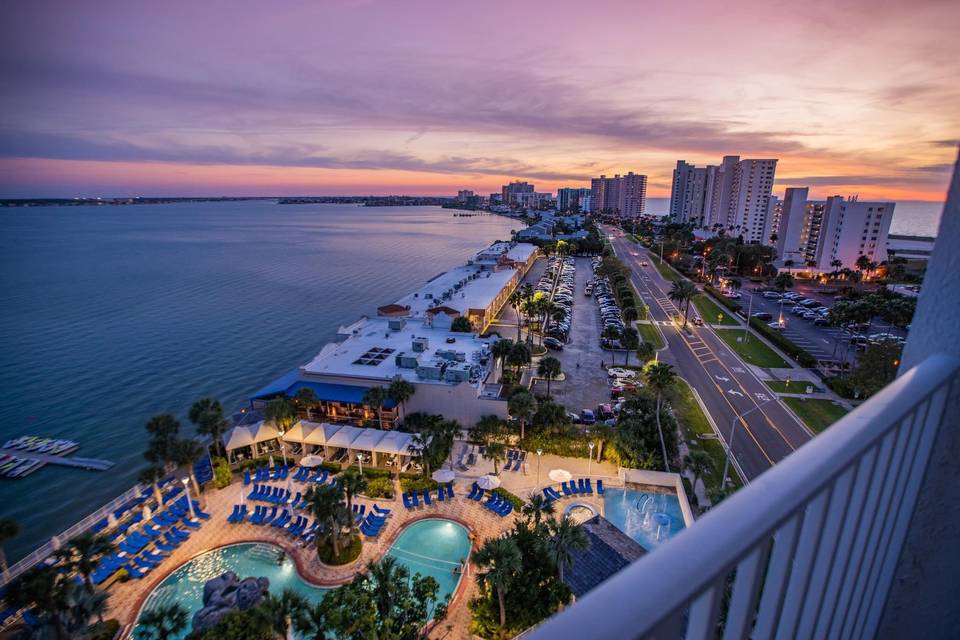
column 222, row 475
column 374, row 474
column 514, row 499
column 785, row 344
column 722, row 299
column 558, row 445
column 379, row 488
column 331, row 467
column 417, row 484
column 842, row 387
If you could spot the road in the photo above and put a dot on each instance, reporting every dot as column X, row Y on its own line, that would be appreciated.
column 766, row 432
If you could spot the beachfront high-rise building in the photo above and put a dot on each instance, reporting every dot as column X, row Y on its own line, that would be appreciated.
column 510, row 191
column 571, row 198
column 625, row 196
column 688, row 195
column 813, row 234
column 464, row 195
column 734, row 195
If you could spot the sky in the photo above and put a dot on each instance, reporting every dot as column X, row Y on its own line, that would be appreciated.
column 340, row 97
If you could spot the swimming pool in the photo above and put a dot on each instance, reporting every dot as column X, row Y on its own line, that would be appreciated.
column 185, row 585
column 431, row 547
column 649, row 517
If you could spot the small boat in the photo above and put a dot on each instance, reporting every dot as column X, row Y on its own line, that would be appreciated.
column 8, row 466
column 39, row 443
column 61, row 446
column 23, row 468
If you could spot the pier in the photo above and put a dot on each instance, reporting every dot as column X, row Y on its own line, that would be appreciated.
column 92, row 464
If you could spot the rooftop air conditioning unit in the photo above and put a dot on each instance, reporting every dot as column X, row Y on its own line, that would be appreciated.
column 420, row 345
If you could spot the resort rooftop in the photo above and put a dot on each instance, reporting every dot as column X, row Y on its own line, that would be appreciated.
column 381, row 349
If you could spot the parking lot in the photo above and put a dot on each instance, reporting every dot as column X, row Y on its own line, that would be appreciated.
column 821, row 341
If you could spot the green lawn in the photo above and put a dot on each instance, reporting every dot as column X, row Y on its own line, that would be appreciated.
column 753, row 350
column 710, row 311
column 780, row 386
column 665, row 269
column 818, row 414
column 693, row 423
column 649, row 333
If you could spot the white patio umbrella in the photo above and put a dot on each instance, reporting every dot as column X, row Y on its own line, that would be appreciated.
column 560, row 475
column 311, row 461
column 488, row 482
column 111, row 520
column 443, row 475
column 147, row 514
column 271, row 463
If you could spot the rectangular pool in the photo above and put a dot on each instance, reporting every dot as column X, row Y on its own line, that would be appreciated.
column 649, row 515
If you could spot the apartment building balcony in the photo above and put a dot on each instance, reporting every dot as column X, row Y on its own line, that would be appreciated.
column 854, row 535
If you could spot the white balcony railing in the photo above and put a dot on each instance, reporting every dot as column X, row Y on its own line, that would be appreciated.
column 807, row 550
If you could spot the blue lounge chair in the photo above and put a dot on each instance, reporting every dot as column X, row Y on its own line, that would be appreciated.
column 573, row 488
column 415, row 498
column 440, row 493
column 171, row 540
column 165, row 546
column 153, row 557
column 566, row 489
column 190, row 524
column 246, row 477
column 144, row 563
column 589, row 486
column 450, row 493
column 183, row 535
column 269, row 518
column 133, row 572
column 380, row 511
column 581, row 488
column 233, row 516
column 406, row 501
column 150, row 531
column 426, row 497
column 257, row 514
column 600, row 487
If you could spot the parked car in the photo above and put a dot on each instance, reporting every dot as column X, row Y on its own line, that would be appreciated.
column 763, row 315
column 605, row 410
column 776, row 326
column 587, row 417
column 574, row 418
column 771, row 295
column 553, row 343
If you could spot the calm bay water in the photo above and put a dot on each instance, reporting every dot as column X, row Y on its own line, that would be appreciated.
column 114, row 314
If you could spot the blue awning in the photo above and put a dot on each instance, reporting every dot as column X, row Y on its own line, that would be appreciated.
column 291, row 382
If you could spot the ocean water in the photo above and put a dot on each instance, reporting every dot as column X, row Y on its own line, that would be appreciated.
column 111, row 315
column 910, row 217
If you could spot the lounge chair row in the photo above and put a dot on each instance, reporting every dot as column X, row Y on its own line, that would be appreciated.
column 412, row 499
column 267, row 493
column 374, row 522
column 495, row 502
column 571, row 488
column 264, row 474
column 515, row 460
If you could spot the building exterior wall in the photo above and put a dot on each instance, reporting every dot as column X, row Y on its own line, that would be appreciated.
column 750, row 198
column 792, row 211
column 624, row 195
column 853, row 228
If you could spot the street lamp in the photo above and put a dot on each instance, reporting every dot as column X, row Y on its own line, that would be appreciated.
column 360, row 462
column 282, row 450
column 590, row 459
column 186, row 487
column 726, row 463
column 539, row 453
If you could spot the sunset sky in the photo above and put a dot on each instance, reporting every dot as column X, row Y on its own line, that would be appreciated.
column 414, row 97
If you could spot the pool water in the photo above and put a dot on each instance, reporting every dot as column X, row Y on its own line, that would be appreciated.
column 431, row 547
column 185, row 585
column 651, row 518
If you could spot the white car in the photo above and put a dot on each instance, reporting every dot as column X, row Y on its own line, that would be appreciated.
column 619, row 372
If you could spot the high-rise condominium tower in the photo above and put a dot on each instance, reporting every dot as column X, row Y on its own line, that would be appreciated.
column 624, row 195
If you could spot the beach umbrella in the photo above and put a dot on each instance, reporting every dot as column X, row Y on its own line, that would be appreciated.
column 488, row 482
column 560, row 475
column 443, row 475
column 271, row 463
column 311, row 461
column 111, row 520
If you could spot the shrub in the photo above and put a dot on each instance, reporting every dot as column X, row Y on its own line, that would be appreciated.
column 331, row 467
column 253, row 463
column 514, row 499
column 558, row 444
column 222, row 476
column 722, row 299
column 349, row 551
column 374, row 474
column 785, row 344
column 841, row 386
column 380, row 488
column 417, row 484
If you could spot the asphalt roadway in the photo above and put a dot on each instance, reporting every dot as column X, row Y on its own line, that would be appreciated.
column 765, row 431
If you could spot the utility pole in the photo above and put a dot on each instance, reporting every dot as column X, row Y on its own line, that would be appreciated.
column 746, row 330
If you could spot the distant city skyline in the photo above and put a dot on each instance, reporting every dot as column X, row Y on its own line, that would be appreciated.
column 430, row 98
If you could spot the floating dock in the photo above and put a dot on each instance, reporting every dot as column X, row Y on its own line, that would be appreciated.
column 43, row 459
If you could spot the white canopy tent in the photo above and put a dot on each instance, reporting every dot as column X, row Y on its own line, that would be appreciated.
column 342, row 439
column 251, row 437
column 396, row 444
column 366, row 443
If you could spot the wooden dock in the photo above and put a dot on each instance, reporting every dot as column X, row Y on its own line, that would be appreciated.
column 92, row 464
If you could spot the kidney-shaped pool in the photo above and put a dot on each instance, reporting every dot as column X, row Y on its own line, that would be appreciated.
column 431, row 547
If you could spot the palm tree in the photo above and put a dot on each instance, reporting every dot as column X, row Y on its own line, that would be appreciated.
column 87, row 604
column 353, row 485
column 549, row 368
column 400, row 390
column 501, row 558
column 281, row 612
column 207, row 414
column 610, row 332
column 306, row 398
column 325, row 503
column 311, row 622
column 164, row 430
column 497, row 452
column 187, row 453
column 385, row 575
column 48, row 592
column 681, row 292
column 281, row 411
column 375, row 397
column 698, row 462
column 9, row 529
column 538, row 506
column 519, row 356
column 163, row 622
column 152, row 476
column 522, row 405
column 837, row 265
column 629, row 340
column 516, row 301
column 659, row 376
column 566, row 536
column 84, row 553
